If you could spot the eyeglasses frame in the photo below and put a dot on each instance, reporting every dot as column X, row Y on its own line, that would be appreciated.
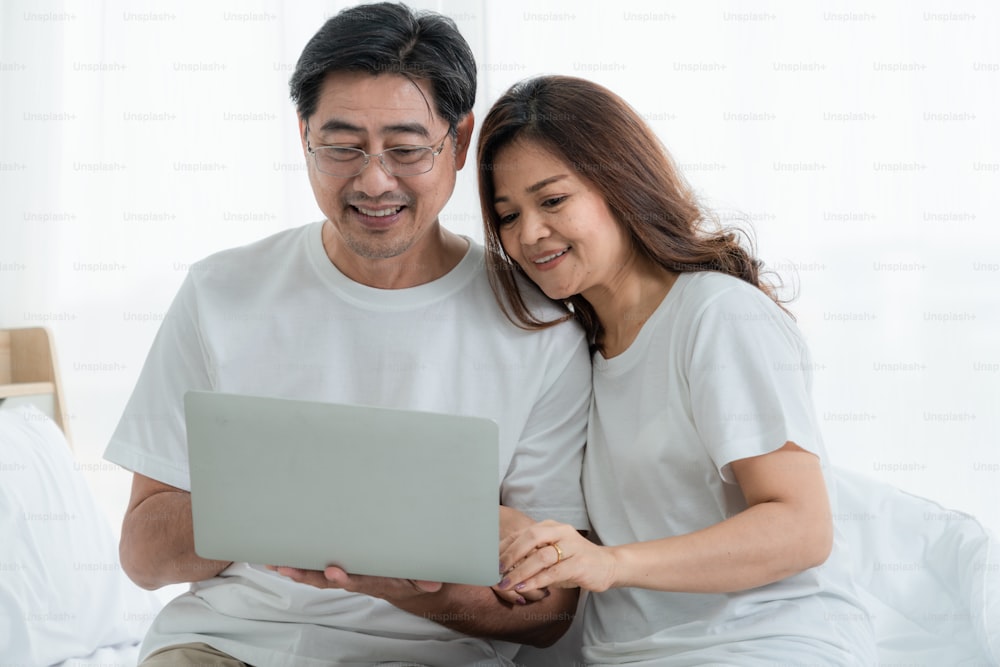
column 381, row 159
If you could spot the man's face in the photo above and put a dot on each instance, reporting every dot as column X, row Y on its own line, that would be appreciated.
column 377, row 215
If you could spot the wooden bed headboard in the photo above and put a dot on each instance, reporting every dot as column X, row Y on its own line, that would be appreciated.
column 28, row 367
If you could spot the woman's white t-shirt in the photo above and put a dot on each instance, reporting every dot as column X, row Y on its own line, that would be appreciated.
column 718, row 373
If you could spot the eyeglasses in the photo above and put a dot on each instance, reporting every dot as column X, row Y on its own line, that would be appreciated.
column 344, row 162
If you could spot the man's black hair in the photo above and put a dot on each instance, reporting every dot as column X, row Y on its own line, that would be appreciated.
column 387, row 38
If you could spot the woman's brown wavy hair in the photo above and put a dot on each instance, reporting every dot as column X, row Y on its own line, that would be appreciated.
column 606, row 142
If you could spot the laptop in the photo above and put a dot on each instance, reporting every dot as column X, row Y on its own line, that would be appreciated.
column 377, row 491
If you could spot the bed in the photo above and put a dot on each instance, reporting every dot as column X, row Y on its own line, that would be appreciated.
column 931, row 576
column 64, row 599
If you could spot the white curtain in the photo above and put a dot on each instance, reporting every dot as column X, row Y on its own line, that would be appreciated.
column 861, row 139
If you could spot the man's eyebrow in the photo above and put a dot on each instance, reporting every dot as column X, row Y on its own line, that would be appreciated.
column 337, row 125
column 532, row 189
column 407, row 128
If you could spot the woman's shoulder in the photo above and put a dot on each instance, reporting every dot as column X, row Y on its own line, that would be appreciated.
column 703, row 290
column 718, row 299
column 711, row 283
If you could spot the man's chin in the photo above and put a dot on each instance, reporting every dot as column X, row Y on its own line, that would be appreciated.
column 374, row 247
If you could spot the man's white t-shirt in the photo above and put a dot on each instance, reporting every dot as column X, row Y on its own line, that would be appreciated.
column 718, row 373
column 277, row 318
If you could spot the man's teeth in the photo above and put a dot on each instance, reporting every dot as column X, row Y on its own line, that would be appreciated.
column 549, row 258
column 379, row 213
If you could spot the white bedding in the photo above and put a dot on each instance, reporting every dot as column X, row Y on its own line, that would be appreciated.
column 63, row 593
column 124, row 655
column 931, row 575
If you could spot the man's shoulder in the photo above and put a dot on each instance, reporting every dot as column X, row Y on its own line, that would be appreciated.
column 277, row 244
column 483, row 297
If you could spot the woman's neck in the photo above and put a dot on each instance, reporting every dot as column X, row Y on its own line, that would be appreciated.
column 624, row 306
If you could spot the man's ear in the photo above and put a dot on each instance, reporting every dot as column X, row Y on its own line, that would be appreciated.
column 463, row 138
column 302, row 132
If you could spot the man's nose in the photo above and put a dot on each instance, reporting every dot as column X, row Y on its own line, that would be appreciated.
column 374, row 180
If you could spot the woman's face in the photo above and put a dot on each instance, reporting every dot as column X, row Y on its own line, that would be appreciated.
column 555, row 224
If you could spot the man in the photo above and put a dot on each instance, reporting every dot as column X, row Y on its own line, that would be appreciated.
column 379, row 305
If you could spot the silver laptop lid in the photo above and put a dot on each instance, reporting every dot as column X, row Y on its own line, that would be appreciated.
column 376, row 491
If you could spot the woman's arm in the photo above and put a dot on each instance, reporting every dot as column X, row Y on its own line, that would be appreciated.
column 787, row 528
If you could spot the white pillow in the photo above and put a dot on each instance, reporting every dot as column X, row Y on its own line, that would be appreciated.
column 62, row 591
column 933, row 574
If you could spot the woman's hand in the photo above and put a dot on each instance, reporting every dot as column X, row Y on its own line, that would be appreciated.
column 513, row 521
column 551, row 554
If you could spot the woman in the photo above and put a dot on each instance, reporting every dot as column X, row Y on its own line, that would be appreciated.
column 705, row 472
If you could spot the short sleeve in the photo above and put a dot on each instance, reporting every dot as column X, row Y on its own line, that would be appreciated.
column 750, row 374
column 151, row 438
column 544, row 477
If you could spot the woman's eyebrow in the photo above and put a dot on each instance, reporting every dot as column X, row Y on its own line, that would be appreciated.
column 531, row 189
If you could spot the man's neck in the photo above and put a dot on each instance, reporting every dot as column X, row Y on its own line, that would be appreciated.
column 436, row 254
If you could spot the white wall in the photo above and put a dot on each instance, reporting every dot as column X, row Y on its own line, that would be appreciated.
column 861, row 138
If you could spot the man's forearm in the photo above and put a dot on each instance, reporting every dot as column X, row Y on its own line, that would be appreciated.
column 477, row 611
column 157, row 544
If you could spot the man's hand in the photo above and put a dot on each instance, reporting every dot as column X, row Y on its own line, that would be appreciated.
column 387, row 588
column 479, row 611
column 397, row 590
